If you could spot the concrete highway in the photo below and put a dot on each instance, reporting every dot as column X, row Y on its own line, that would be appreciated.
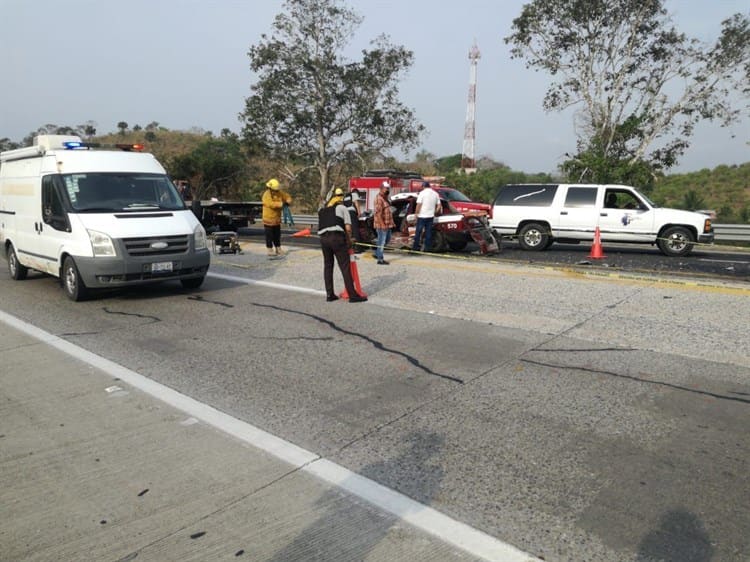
column 572, row 412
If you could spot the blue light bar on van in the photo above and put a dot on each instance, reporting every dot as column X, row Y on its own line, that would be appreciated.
column 80, row 145
column 74, row 145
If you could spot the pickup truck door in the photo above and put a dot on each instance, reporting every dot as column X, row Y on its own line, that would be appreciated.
column 578, row 214
column 624, row 216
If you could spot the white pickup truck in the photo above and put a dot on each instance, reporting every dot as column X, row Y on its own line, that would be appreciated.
column 540, row 214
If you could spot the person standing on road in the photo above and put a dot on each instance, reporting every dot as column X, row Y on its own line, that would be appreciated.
column 383, row 221
column 273, row 203
column 335, row 232
column 428, row 204
column 351, row 202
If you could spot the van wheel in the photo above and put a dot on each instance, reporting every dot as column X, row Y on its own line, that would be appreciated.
column 72, row 282
column 192, row 283
column 17, row 271
column 534, row 236
column 675, row 241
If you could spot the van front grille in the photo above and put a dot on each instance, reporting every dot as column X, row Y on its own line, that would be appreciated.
column 156, row 245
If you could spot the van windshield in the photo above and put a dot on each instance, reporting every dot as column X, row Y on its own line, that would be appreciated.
column 102, row 192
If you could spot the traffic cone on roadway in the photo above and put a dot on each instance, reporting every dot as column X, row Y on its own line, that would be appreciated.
column 596, row 248
column 303, row 232
column 355, row 276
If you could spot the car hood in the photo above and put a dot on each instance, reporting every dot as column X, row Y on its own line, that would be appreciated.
column 664, row 214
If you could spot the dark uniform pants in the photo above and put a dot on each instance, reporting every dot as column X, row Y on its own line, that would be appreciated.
column 333, row 245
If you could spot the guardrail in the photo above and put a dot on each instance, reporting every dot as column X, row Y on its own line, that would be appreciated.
column 722, row 232
column 732, row 232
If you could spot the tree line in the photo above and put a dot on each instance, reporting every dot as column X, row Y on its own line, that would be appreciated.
column 315, row 117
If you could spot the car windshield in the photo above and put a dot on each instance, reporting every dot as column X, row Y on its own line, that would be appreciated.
column 117, row 192
column 454, row 195
column 448, row 208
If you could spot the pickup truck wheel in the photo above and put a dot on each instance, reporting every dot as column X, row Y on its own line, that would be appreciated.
column 193, row 283
column 72, row 282
column 534, row 236
column 17, row 271
column 675, row 241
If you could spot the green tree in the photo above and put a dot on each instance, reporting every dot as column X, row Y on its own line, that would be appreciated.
column 692, row 201
column 635, row 79
column 448, row 164
column 7, row 144
column 313, row 107
column 600, row 162
column 88, row 129
column 123, row 127
column 216, row 167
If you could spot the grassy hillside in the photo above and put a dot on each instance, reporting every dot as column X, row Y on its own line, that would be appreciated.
column 725, row 189
column 163, row 144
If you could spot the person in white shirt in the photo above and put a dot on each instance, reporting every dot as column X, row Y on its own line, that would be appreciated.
column 428, row 204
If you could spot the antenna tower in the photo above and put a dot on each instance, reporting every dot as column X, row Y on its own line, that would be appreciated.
column 468, row 161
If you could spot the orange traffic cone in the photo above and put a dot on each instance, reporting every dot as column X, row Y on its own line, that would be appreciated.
column 303, row 232
column 596, row 248
column 355, row 277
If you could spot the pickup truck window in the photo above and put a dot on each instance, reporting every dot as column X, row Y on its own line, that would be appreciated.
column 526, row 195
column 581, row 197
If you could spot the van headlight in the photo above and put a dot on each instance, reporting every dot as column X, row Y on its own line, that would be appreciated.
column 199, row 237
column 101, row 244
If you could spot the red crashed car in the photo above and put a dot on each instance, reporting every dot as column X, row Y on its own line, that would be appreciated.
column 460, row 201
column 452, row 230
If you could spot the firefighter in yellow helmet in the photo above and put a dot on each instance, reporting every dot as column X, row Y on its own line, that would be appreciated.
column 273, row 204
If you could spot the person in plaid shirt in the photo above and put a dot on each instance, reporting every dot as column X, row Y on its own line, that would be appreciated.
column 383, row 221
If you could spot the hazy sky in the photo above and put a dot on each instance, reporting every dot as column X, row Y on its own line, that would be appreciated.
column 184, row 64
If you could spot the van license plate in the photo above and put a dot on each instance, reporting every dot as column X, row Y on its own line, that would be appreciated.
column 161, row 266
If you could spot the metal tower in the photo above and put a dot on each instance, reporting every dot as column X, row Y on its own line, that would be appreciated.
column 468, row 161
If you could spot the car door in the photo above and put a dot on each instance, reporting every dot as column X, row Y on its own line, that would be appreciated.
column 53, row 230
column 624, row 216
column 578, row 214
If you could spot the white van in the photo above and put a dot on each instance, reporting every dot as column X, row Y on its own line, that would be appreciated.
column 96, row 218
column 540, row 214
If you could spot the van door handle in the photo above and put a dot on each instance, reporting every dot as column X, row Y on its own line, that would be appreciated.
column 602, row 214
column 563, row 212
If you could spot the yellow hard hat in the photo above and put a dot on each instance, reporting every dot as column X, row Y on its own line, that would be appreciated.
column 338, row 192
column 273, row 183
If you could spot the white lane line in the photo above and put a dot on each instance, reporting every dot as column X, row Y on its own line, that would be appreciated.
column 723, row 261
column 430, row 520
column 247, row 281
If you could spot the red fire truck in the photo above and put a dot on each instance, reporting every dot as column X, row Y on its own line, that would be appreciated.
column 369, row 184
